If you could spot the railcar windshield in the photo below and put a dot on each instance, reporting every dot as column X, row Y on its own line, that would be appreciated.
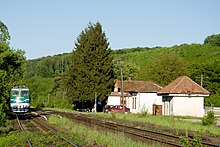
column 24, row 93
column 14, row 93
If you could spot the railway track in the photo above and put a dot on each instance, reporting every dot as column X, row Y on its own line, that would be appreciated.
column 46, row 127
column 23, row 130
column 41, row 125
column 136, row 133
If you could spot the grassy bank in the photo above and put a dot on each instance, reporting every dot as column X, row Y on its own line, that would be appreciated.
column 174, row 122
column 17, row 138
column 93, row 137
column 167, row 121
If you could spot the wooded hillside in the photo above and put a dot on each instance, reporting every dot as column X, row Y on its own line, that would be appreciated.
column 158, row 64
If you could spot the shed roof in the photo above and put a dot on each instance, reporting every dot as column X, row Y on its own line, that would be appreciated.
column 139, row 86
column 183, row 85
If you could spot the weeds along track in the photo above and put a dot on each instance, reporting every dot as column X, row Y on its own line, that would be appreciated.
column 144, row 135
column 45, row 126
column 23, row 130
column 40, row 124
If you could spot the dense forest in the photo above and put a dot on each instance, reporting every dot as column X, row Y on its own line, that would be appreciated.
column 159, row 64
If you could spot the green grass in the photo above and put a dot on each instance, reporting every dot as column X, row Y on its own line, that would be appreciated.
column 12, row 138
column 89, row 137
column 174, row 122
column 17, row 138
column 167, row 121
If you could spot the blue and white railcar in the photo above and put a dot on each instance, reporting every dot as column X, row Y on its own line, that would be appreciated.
column 20, row 99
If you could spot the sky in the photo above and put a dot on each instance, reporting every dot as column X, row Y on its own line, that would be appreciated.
column 49, row 27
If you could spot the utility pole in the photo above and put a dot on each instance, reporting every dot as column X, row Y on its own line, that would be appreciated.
column 62, row 65
column 201, row 80
column 122, row 89
column 95, row 106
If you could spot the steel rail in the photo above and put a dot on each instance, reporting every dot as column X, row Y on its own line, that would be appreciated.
column 21, row 127
column 113, row 126
column 54, row 132
column 160, row 135
column 146, row 133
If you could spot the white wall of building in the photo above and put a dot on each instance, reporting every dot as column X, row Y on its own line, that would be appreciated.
column 147, row 100
column 131, row 101
column 144, row 102
column 187, row 106
column 113, row 100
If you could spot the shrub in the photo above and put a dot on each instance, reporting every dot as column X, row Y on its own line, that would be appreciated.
column 143, row 113
column 184, row 141
column 197, row 140
column 209, row 119
column 3, row 116
column 113, row 115
column 40, row 106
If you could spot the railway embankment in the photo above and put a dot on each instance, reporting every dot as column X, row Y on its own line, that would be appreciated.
column 205, row 138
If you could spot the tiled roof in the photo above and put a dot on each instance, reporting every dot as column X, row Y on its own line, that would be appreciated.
column 183, row 85
column 139, row 86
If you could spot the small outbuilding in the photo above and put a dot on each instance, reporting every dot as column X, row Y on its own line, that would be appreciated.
column 183, row 97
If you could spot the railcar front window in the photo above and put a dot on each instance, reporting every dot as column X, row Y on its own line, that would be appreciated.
column 14, row 93
column 24, row 93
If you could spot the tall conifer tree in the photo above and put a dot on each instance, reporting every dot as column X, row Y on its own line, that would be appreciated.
column 92, row 68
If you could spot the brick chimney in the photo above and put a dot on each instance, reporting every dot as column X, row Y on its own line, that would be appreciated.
column 116, row 85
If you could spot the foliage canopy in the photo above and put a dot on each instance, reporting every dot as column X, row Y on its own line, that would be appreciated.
column 213, row 40
column 165, row 69
column 11, row 70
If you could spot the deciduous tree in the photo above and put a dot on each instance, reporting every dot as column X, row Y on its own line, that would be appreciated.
column 213, row 40
column 167, row 68
column 11, row 70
